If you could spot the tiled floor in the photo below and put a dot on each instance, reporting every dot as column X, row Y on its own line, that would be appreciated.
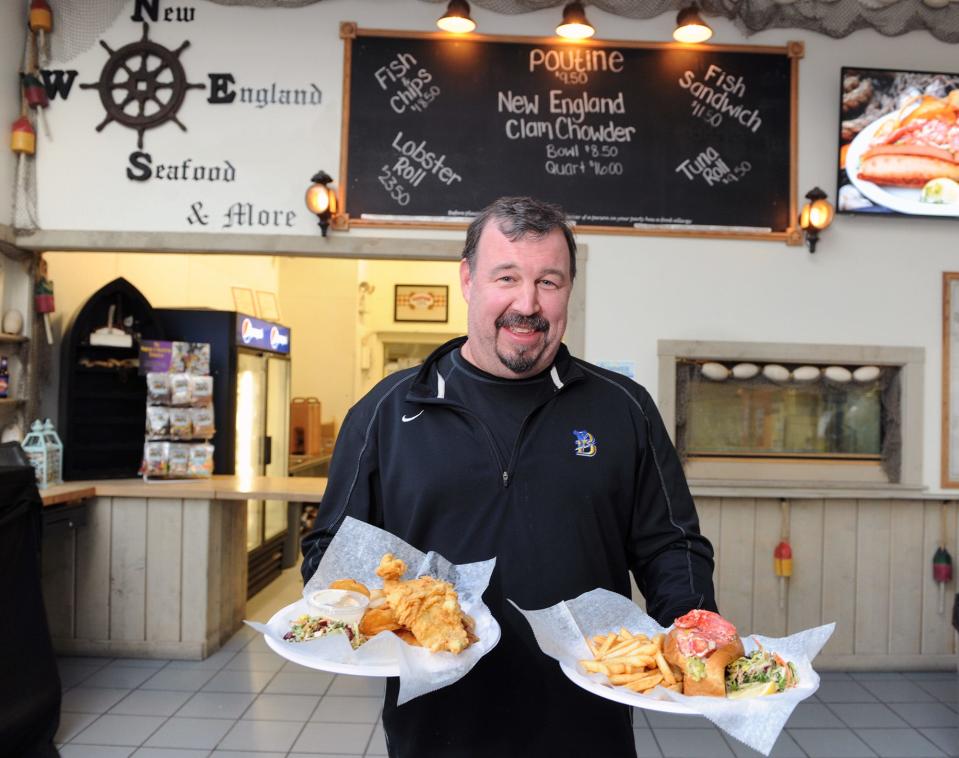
column 246, row 702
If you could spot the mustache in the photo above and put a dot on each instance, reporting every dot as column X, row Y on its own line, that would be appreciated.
column 510, row 320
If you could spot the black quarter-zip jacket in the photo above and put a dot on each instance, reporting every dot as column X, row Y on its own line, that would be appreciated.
column 562, row 515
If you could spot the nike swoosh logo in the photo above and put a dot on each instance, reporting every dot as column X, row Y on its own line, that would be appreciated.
column 407, row 419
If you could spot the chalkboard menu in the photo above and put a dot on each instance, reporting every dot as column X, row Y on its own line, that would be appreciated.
column 627, row 137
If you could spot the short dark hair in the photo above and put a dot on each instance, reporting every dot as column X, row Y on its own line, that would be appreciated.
column 516, row 218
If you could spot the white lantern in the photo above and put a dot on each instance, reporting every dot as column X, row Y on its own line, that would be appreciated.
column 35, row 448
column 54, row 451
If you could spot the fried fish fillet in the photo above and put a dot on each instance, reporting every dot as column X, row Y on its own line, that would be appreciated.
column 391, row 568
column 426, row 606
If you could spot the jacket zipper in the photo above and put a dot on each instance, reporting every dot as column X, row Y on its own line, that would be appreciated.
column 522, row 431
column 489, row 438
column 507, row 471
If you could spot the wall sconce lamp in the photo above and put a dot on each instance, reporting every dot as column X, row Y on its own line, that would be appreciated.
column 690, row 27
column 816, row 215
column 457, row 18
column 574, row 24
column 321, row 199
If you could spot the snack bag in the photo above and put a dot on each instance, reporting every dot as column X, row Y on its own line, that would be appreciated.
column 180, row 389
column 202, row 419
column 201, row 460
column 179, row 357
column 156, row 458
column 181, row 425
column 201, row 390
column 158, row 388
column 158, row 422
column 198, row 359
column 179, row 465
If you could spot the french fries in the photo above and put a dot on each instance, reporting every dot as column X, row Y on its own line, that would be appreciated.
column 632, row 661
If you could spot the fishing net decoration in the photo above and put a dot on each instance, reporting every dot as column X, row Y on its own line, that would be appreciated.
column 78, row 25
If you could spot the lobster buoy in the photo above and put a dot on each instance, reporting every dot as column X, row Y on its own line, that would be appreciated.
column 36, row 96
column 783, row 559
column 23, row 139
column 41, row 16
column 942, row 573
column 40, row 21
column 783, row 566
column 34, row 92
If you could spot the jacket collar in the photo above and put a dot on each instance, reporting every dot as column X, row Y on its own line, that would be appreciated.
column 429, row 384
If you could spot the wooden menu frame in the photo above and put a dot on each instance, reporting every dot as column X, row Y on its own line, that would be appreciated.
column 794, row 50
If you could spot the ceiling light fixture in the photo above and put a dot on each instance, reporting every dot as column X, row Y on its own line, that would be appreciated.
column 574, row 24
column 690, row 27
column 457, row 18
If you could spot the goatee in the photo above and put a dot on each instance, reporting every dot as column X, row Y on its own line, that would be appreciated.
column 525, row 358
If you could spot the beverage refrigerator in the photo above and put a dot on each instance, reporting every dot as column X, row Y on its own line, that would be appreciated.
column 250, row 364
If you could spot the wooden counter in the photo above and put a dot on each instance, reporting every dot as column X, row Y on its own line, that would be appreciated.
column 301, row 489
column 66, row 493
column 861, row 558
column 159, row 569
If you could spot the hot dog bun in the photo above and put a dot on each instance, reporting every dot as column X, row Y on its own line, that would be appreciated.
column 907, row 165
column 702, row 642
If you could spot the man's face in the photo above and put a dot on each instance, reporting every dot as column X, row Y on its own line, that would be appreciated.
column 518, row 296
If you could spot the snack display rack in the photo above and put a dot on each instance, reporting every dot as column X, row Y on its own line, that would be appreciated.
column 179, row 412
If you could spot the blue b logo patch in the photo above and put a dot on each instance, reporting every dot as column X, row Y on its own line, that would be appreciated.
column 585, row 444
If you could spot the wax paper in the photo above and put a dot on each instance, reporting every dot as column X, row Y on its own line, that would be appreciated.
column 354, row 553
column 561, row 630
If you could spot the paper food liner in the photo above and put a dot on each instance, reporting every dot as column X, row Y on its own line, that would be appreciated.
column 561, row 630
column 354, row 553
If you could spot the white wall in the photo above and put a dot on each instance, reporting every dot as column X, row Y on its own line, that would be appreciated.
column 318, row 300
column 873, row 281
column 12, row 34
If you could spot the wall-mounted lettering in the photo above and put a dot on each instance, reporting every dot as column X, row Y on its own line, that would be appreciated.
column 142, row 169
column 224, row 91
column 180, row 14
column 58, row 82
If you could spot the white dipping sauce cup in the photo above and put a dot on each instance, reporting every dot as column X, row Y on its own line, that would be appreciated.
column 342, row 605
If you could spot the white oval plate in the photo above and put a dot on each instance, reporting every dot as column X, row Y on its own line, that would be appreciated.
column 900, row 199
column 292, row 652
column 623, row 695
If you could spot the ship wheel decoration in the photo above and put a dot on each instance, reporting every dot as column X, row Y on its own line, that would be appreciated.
column 142, row 85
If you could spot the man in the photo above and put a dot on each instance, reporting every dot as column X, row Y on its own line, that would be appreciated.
column 503, row 445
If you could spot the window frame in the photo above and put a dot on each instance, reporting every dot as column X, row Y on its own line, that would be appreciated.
column 821, row 474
